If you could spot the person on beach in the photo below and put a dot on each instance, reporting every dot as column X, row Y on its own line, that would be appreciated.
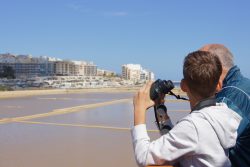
column 202, row 138
column 234, row 90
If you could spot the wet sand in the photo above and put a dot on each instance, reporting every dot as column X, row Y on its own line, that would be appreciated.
column 90, row 129
column 37, row 92
column 27, row 93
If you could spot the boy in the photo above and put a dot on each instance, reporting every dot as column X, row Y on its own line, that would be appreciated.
column 202, row 138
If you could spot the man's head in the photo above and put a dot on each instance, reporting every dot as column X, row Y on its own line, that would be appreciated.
column 224, row 54
column 201, row 71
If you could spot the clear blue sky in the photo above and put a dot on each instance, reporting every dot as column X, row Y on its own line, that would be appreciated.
column 157, row 34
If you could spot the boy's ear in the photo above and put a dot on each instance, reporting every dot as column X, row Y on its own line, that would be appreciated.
column 183, row 85
column 219, row 86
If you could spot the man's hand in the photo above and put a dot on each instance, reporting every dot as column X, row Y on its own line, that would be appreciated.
column 142, row 102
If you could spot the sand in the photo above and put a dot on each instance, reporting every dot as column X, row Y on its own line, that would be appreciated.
column 26, row 93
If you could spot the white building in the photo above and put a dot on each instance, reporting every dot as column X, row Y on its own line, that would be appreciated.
column 28, row 66
column 90, row 69
column 75, row 68
column 147, row 75
column 135, row 72
column 151, row 76
column 131, row 72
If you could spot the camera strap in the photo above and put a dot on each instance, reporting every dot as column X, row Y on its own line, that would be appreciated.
column 165, row 129
column 177, row 96
column 156, row 118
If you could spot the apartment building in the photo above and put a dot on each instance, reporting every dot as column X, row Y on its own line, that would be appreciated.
column 64, row 68
column 131, row 72
column 90, row 69
column 135, row 72
column 27, row 66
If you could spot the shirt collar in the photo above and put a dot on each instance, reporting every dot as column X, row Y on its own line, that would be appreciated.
column 232, row 75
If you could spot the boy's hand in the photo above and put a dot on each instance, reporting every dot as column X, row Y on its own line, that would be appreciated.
column 142, row 102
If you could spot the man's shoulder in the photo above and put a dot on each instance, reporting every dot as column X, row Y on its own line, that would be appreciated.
column 236, row 97
column 234, row 92
column 235, row 83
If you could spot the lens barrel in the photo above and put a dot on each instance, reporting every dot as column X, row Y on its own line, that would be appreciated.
column 160, row 87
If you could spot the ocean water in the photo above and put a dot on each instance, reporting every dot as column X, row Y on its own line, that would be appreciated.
column 64, row 130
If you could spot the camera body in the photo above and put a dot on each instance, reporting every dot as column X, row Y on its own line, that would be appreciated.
column 160, row 87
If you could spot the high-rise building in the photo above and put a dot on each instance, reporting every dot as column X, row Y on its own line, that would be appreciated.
column 24, row 70
column 131, row 72
column 135, row 72
column 90, row 69
column 28, row 66
column 151, row 76
column 63, row 68
column 76, row 68
column 25, row 66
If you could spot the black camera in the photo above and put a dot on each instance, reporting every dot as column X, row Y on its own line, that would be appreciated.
column 160, row 87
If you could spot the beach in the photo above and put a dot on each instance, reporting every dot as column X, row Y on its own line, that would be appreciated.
column 25, row 93
column 72, row 127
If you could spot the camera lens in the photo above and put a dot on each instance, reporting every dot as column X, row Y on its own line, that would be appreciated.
column 160, row 87
column 167, row 86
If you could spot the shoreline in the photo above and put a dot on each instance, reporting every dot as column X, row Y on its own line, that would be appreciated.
column 28, row 93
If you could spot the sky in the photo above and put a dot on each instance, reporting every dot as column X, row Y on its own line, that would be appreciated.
column 157, row 34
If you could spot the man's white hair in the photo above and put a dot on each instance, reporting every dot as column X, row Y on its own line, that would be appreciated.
column 224, row 54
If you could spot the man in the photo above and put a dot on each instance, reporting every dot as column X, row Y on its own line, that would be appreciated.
column 204, row 136
column 234, row 90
